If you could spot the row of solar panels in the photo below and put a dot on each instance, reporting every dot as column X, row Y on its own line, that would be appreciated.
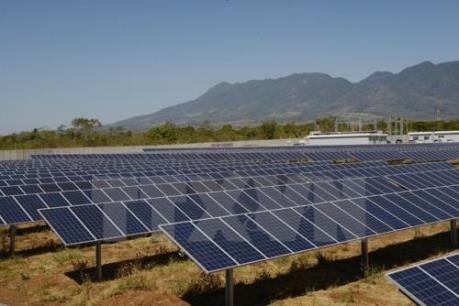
column 423, row 155
column 197, row 205
column 233, row 241
column 284, row 153
column 87, row 164
column 431, row 283
column 309, row 148
column 97, row 170
column 221, row 242
column 20, row 187
column 214, row 173
column 29, row 198
column 243, row 154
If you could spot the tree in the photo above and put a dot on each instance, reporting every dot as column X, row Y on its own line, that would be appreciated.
column 268, row 129
column 85, row 124
column 166, row 133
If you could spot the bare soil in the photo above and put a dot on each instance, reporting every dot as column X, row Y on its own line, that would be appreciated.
column 149, row 270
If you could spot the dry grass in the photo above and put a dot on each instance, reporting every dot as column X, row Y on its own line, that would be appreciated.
column 149, row 271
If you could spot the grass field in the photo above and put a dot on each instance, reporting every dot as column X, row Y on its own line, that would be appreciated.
column 151, row 271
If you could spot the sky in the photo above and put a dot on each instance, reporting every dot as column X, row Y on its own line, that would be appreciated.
column 116, row 59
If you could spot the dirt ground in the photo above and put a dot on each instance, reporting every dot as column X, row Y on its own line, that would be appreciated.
column 150, row 271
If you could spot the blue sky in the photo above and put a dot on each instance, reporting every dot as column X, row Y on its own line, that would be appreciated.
column 115, row 59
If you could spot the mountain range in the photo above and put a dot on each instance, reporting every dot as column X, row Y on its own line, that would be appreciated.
column 416, row 92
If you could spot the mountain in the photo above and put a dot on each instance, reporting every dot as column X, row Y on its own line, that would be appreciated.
column 415, row 92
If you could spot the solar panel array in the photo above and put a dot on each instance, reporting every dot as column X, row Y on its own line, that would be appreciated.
column 22, row 199
column 417, row 152
column 433, row 283
column 231, row 207
column 223, row 201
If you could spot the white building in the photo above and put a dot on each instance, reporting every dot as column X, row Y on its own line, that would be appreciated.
column 431, row 137
column 345, row 138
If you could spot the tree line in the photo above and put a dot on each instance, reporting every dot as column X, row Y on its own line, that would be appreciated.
column 83, row 132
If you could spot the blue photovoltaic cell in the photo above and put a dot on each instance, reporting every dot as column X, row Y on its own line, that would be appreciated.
column 96, row 222
column 198, row 246
column 227, row 202
column 198, row 187
column 123, row 218
column 229, row 241
column 31, row 203
column 296, row 198
column 212, row 185
column 149, row 217
column 374, row 210
column 67, row 186
column 168, row 210
column 14, row 182
column 84, row 185
column 101, row 184
column 135, row 193
column 189, row 207
column 67, row 226
column 209, row 205
column 76, row 197
column 363, row 216
column 260, row 197
column 183, row 188
column 425, row 216
column 306, row 192
column 344, row 220
column 96, row 196
column 439, row 200
column 281, row 231
column 429, row 204
column 54, row 199
column 116, row 194
column 326, row 191
column 395, row 210
column 247, row 202
column 256, row 236
column 11, row 212
column 432, row 283
column 12, row 190
column 167, row 189
column 30, row 189
column 116, row 183
column 355, row 186
column 445, row 272
column 277, row 196
column 151, row 191
column 308, row 230
column 50, row 187
column 344, row 190
column 335, row 230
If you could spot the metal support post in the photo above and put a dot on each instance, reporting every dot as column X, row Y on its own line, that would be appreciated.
column 453, row 228
column 364, row 251
column 229, row 292
column 99, row 261
column 12, row 239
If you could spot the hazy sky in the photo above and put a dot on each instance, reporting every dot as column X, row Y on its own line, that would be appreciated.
column 115, row 59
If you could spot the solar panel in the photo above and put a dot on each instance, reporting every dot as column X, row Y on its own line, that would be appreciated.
column 435, row 282
column 286, row 231
column 283, row 208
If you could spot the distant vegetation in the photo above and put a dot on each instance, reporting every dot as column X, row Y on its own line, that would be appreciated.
column 87, row 132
